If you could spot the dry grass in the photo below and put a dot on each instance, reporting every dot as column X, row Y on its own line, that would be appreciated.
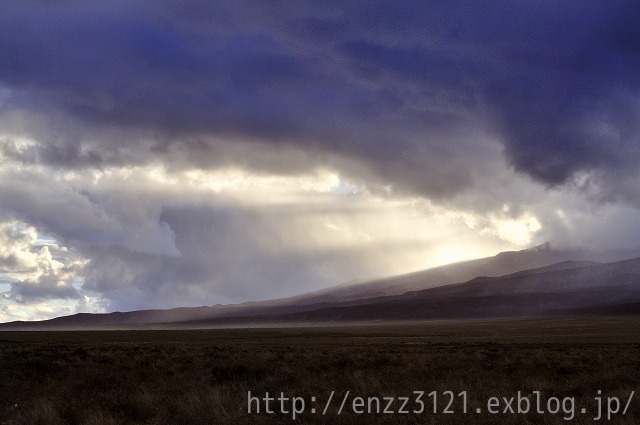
column 193, row 377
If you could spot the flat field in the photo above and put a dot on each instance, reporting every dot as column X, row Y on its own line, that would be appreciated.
column 577, row 368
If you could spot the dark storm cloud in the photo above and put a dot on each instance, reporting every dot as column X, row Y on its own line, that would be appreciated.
column 567, row 99
column 403, row 87
column 131, row 65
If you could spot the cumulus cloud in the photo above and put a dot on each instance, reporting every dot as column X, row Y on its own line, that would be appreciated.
column 35, row 271
column 50, row 279
column 15, row 255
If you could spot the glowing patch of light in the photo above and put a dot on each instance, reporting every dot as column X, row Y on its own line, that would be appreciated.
column 343, row 188
column 455, row 253
column 518, row 231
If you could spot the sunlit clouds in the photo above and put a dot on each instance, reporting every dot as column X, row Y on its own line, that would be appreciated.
column 149, row 235
column 39, row 277
column 144, row 236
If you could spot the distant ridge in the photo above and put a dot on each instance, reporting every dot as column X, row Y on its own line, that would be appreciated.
column 563, row 288
column 501, row 264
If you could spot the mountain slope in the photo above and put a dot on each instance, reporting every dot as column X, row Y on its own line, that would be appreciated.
column 568, row 288
column 502, row 264
column 565, row 288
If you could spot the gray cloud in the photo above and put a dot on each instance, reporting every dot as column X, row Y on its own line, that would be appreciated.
column 404, row 89
column 76, row 215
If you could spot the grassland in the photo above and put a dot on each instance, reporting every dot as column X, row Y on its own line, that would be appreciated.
column 202, row 376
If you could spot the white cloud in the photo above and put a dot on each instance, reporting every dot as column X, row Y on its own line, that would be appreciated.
column 16, row 258
column 40, row 278
column 518, row 231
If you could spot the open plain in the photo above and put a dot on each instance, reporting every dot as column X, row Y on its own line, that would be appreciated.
column 203, row 376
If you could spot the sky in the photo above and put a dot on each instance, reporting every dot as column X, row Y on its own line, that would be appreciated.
column 156, row 154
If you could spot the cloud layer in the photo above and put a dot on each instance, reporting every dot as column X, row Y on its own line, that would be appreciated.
column 230, row 151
